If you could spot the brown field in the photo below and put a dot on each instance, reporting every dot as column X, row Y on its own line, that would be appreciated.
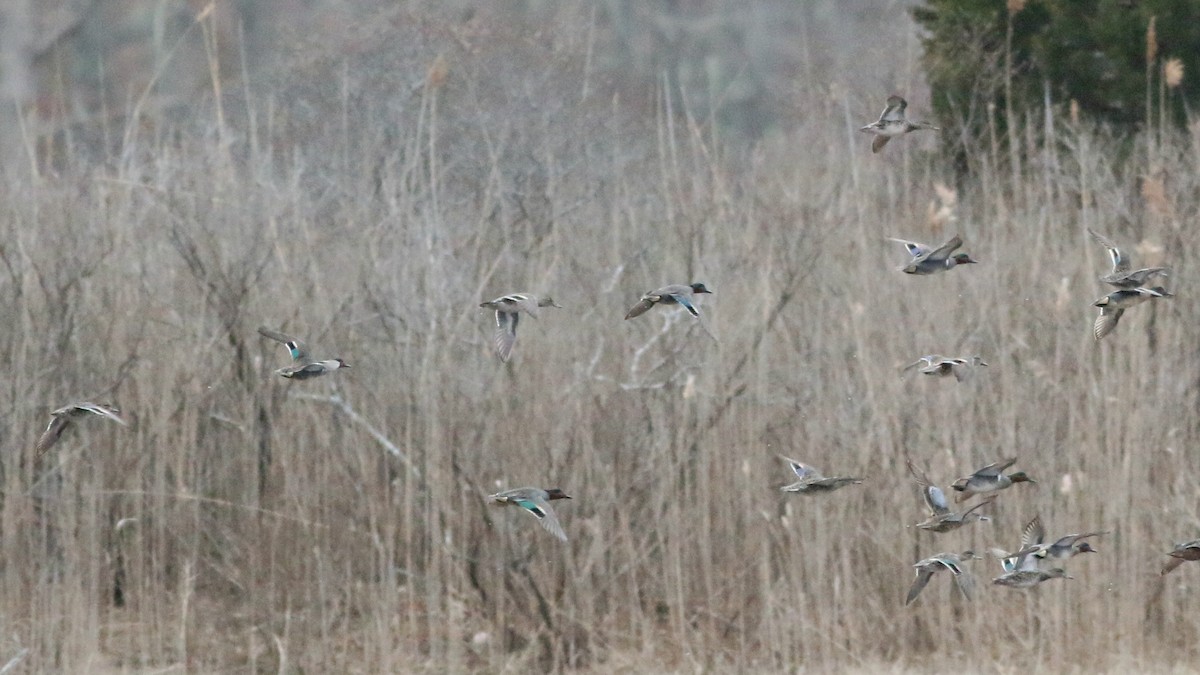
column 368, row 198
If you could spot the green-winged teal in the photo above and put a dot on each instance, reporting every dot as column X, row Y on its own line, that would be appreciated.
column 950, row 562
column 1122, row 275
column 989, row 479
column 941, row 517
column 892, row 122
column 669, row 295
column 304, row 366
column 535, row 501
column 812, row 482
column 63, row 417
column 953, row 520
column 1064, row 548
column 1185, row 552
column 1113, row 305
column 941, row 366
column 508, row 310
column 927, row 260
column 1028, row 578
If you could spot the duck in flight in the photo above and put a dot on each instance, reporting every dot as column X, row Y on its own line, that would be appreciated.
column 812, row 481
column 1113, row 305
column 941, row 517
column 508, row 310
column 942, row 366
column 943, row 562
column 62, row 419
column 892, row 123
column 929, row 260
column 989, row 479
column 675, row 294
column 303, row 366
column 536, row 502
column 1123, row 275
column 1185, row 552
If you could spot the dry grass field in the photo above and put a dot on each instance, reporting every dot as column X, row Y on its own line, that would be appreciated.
column 371, row 198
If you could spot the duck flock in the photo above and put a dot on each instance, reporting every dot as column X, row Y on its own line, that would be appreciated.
column 1033, row 562
column 1027, row 566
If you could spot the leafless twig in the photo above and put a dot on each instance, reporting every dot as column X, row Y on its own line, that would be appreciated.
column 342, row 404
column 14, row 661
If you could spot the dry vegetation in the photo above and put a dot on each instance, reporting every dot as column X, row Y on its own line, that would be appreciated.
column 338, row 525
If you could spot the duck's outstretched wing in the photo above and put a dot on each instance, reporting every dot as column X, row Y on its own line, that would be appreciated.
column 54, row 431
column 295, row 347
column 683, row 299
column 934, row 498
column 947, row 248
column 505, row 335
column 966, row 582
column 641, row 307
column 802, row 470
column 995, row 469
column 894, row 111
column 545, row 515
column 1120, row 264
column 1106, row 322
column 918, row 585
column 914, row 248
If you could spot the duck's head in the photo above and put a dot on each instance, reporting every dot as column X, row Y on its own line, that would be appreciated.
column 555, row 493
column 1102, row 302
column 963, row 259
column 1085, row 547
column 1020, row 477
column 1059, row 572
column 699, row 288
column 342, row 364
column 548, row 302
column 925, row 125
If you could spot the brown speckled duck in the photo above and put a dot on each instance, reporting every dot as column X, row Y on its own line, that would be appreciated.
column 892, row 122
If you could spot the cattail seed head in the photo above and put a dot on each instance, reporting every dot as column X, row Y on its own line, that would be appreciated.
column 1151, row 41
column 438, row 71
column 1173, row 72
